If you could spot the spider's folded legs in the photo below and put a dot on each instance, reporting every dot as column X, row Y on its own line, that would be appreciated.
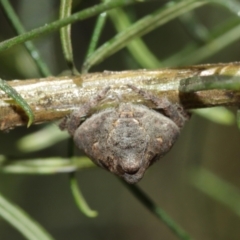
column 74, row 120
column 174, row 111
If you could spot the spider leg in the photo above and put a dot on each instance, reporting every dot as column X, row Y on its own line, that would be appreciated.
column 176, row 112
column 73, row 121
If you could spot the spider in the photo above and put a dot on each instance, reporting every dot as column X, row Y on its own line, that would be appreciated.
column 126, row 139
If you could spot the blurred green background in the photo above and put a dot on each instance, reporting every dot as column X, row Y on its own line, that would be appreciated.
column 203, row 143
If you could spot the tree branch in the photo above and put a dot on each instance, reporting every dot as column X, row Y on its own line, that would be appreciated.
column 53, row 97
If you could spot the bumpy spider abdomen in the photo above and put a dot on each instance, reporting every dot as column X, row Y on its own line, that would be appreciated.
column 127, row 139
column 91, row 132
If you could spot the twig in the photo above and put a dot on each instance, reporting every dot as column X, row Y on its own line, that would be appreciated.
column 52, row 98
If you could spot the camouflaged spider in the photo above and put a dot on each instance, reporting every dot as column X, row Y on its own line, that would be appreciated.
column 127, row 139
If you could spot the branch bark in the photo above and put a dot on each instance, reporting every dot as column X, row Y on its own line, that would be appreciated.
column 54, row 97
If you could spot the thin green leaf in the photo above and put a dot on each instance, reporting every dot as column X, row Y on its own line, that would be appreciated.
column 220, row 115
column 157, row 211
column 65, row 33
column 18, row 27
column 18, row 99
column 138, row 49
column 47, row 28
column 20, row 220
column 191, row 48
column 141, row 27
column 41, row 139
column 200, row 83
column 212, row 47
column 216, row 188
column 79, row 199
column 194, row 27
column 101, row 20
column 232, row 5
column 51, row 165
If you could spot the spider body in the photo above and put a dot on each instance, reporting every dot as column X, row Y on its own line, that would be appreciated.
column 127, row 139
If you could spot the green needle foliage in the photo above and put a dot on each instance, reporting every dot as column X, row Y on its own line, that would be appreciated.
column 210, row 82
column 20, row 220
column 205, row 43
column 141, row 27
column 18, row 99
column 84, row 14
column 157, row 211
column 18, row 27
column 215, row 187
column 65, row 33
column 101, row 20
